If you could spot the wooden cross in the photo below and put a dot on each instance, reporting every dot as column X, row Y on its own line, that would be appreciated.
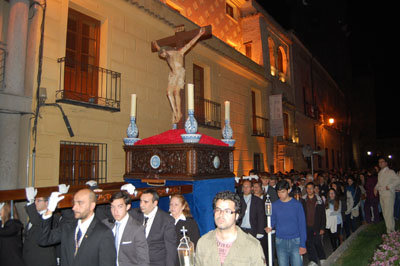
column 177, row 41
column 182, row 37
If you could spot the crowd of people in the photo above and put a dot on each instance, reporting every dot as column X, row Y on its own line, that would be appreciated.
column 334, row 205
column 305, row 208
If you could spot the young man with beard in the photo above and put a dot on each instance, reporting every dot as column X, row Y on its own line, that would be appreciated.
column 228, row 244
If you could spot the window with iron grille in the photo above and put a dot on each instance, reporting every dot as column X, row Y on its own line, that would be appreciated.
column 81, row 162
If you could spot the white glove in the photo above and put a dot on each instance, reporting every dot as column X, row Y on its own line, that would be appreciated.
column 63, row 188
column 254, row 177
column 54, row 200
column 259, row 236
column 1, row 207
column 129, row 187
column 91, row 183
column 30, row 193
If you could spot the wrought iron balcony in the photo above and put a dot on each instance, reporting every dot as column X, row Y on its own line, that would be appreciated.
column 260, row 126
column 207, row 113
column 88, row 85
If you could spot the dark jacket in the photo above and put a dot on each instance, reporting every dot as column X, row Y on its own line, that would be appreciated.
column 257, row 214
column 133, row 248
column 161, row 238
column 319, row 217
column 11, row 243
column 370, row 184
column 33, row 254
column 191, row 227
column 97, row 247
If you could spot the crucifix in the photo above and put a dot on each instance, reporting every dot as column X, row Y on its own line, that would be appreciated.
column 173, row 49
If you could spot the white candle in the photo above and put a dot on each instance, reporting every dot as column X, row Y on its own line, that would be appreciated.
column 227, row 110
column 190, row 96
column 133, row 105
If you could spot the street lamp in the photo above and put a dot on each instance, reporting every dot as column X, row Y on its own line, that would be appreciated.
column 331, row 121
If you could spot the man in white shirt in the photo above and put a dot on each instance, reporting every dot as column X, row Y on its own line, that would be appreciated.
column 388, row 180
column 159, row 229
column 130, row 240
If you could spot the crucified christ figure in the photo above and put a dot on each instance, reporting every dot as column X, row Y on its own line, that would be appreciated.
column 176, row 77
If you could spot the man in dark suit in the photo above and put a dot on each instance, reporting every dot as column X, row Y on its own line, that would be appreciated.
column 267, row 189
column 87, row 241
column 130, row 239
column 33, row 254
column 159, row 230
column 253, row 218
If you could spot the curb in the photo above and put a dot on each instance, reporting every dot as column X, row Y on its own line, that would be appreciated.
column 343, row 247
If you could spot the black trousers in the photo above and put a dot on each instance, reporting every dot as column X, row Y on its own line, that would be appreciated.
column 334, row 237
column 315, row 250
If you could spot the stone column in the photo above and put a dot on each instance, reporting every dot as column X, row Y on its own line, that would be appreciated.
column 13, row 103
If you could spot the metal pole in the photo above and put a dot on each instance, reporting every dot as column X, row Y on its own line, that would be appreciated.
column 269, row 241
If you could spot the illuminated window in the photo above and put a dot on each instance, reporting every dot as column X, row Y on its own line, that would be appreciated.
column 285, row 126
column 258, row 162
column 229, row 10
column 271, row 46
column 248, row 49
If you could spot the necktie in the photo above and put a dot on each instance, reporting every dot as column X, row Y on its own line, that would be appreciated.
column 78, row 237
column 145, row 221
column 117, row 224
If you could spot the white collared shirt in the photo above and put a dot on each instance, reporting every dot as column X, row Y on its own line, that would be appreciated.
column 181, row 217
column 151, row 216
column 121, row 228
column 84, row 227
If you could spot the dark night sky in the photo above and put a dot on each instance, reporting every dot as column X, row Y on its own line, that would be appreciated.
column 371, row 41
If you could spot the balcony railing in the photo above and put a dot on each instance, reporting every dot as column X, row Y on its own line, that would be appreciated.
column 260, row 126
column 207, row 113
column 3, row 53
column 88, row 85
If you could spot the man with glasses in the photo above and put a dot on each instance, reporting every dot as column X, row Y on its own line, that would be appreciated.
column 34, row 254
column 228, row 244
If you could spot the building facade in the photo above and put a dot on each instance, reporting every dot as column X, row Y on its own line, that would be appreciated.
column 96, row 54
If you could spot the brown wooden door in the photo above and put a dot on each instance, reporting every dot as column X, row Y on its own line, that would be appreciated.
column 82, row 57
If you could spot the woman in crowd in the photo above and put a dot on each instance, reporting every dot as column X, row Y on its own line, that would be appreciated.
column 363, row 196
column 10, row 237
column 317, row 191
column 353, row 195
column 334, row 220
column 180, row 211
column 337, row 186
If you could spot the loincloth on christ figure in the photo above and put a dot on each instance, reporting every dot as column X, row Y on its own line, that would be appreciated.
column 176, row 80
